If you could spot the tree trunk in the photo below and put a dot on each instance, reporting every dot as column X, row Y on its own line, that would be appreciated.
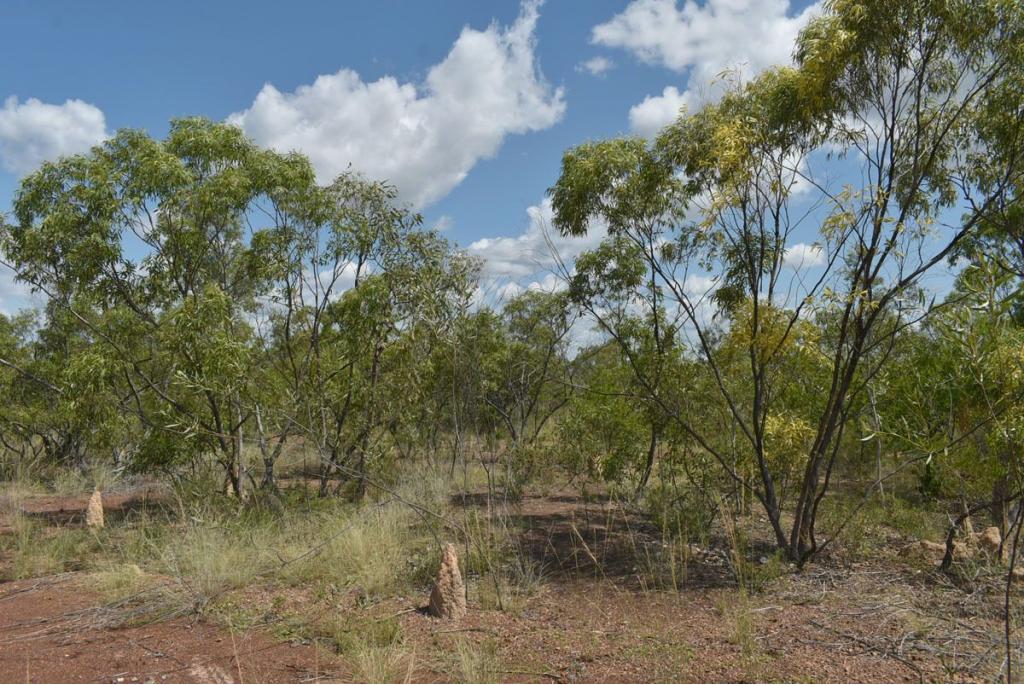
column 1000, row 506
column 649, row 466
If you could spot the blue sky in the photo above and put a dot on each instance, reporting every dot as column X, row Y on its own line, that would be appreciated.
column 468, row 106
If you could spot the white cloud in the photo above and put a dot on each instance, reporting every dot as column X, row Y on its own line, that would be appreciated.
column 506, row 291
column 423, row 138
column 549, row 283
column 803, row 255
column 16, row 295
column 698, row 286
column 702, row 40
column 717, row 34
column 596, row 66
column 444, row 223
column 32, row 132
column 658, row 111
column 529, row 252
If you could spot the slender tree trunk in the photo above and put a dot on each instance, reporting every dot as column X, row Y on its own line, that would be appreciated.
column 1000, row 506
column 325, row 470
column 649, row 466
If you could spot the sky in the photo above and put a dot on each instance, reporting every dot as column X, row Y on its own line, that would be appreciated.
column 466, row 106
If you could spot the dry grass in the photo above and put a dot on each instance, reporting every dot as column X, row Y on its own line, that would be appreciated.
column 378, row 547
column 206, row 562
column 391, row 664
column 121, row 581
column 35, row 551
column 477, row 662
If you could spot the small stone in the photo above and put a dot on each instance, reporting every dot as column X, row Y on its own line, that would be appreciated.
column 94, row 512
column 448, row 599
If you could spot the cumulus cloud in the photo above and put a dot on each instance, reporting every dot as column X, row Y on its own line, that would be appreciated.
column 753, row 34
column 32, row 132
column 657, row 111
column 425, row 137
column 803, row 255
column 699, row 285
column 701, row 40
column 596, row 66
column 528, row 253
column 444, row 223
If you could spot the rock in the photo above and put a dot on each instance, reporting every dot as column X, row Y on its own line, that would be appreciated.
column 448, row 599
column 934, row 551
column 989, row 541
column 925, row 548
column 94, row 512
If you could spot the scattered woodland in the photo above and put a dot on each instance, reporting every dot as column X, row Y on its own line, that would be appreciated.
column 694, row 458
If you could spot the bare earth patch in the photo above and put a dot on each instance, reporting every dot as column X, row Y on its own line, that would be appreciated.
column 51, row 631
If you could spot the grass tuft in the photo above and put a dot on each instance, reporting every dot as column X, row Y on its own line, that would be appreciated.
column 477, row 662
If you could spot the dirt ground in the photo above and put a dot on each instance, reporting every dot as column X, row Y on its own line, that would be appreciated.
column 592, row 618
column 51, row 631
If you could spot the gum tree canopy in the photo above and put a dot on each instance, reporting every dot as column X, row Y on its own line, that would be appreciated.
column 895, row 138
column 204, row 277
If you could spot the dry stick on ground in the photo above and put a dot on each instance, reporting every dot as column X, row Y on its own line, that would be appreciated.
column 871, row 647
column 586, row 548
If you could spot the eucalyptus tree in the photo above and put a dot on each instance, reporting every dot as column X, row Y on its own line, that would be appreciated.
column 917, row 106
column 36, row 431
column 148, row 245
column 383, row 332
column 955, row 398
column 602, row 434
column 625, row 185
column 528, row 376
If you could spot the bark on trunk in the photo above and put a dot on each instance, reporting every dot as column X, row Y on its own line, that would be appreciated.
column 649, row 466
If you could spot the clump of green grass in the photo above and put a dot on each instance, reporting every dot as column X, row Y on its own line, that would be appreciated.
column 379, row 547
column 120, row 581
column 98, row 476
column 393, row 664
column 372, row 647
column 35, row 552
column 862, row 524
column 351, row 631
column 506, row 576
column 661, row 564
column 13, row 494
column 735, row 609
column 477, row 662
column 208, row 561
column 368, row 549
